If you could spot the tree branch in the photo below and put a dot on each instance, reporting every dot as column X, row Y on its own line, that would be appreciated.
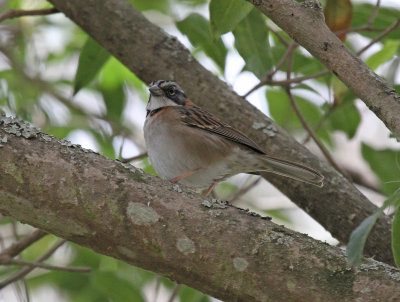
column 152, row 54
column 22, row 244
column 381, row 36
column 310, row 131
column 26, row 270
column 117, row 210
column 71, row 269
column 22, row 13
column 305, row 23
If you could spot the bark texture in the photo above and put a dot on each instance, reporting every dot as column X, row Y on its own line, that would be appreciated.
column 304, row 22
column 152, row 54
column 117, row 210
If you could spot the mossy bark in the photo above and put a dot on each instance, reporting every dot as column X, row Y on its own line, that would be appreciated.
column 117, row 210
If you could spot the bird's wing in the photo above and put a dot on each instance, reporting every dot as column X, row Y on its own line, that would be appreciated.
column 194, row 116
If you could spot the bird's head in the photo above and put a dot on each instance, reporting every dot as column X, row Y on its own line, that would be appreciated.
column 165, row 93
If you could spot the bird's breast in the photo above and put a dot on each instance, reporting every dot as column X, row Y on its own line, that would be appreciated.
column 175, row 148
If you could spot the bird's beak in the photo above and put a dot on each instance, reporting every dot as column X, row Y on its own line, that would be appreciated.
column 155, row 90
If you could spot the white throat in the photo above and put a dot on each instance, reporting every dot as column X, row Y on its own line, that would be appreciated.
column 156, row 102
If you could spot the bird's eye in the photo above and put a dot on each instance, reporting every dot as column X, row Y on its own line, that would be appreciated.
column 171, row 91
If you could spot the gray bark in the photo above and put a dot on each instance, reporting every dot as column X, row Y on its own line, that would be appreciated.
column 119, row 211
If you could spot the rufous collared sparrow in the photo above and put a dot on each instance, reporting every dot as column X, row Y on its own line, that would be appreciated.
column 189, row 145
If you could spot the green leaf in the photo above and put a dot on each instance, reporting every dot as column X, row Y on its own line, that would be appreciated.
column 189, row 294
column 390, row 48
column 251, row 41
column 225, row 190
column 345, row 117
column 396, row 237
column 280, row 214
column 17, row 4
column 20, row 93
column 144, row 5
column 35, row 250
column 359, row 236
column 105, row 143
column 114, row 99
column 302, row 63
column 115, row 288
column 59, row 131
column 193, row 2
column 226, row 14
column 148, row 168
column 197, row 29
column 386, row 166
column 283, row 113
column 114, row 73
column 91, row 59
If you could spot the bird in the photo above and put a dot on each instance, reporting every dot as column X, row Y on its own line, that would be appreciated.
column 186, row 144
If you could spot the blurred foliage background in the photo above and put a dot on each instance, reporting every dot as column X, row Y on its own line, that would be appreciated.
column 55, row 76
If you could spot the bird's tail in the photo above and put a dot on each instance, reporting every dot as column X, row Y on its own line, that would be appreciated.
column 292, row 170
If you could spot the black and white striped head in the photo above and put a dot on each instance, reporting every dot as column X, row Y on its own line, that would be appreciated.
column 165, row 93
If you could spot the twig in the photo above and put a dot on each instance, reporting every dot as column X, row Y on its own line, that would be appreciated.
column 288, row 81
column 22, row 244
column 280, row 38
column 244, row 190
column 157, row 288
column 292, row 46
column 380, row 37
column 14, row 229
column 120, row 148
column 304, row 123
column 269, row 75
column 359, row 179
column 26, row 291
column 323, row 72
column 18, row 289
column 21, row 286
column 23, row 272
column 136, row 157
column 358, row 29
column 312, row 134
column 386, row 32
column 174, row 292
column 12, row 13
column 374, row 13
column 299, row 79
column 368, row 26
column 320, row 122
column 79, row 269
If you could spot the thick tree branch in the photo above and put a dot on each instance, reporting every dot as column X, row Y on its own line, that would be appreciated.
column 152, row 54
column 117, row 210
column 305, row 23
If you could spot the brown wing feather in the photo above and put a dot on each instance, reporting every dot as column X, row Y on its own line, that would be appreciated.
column 194, row 116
